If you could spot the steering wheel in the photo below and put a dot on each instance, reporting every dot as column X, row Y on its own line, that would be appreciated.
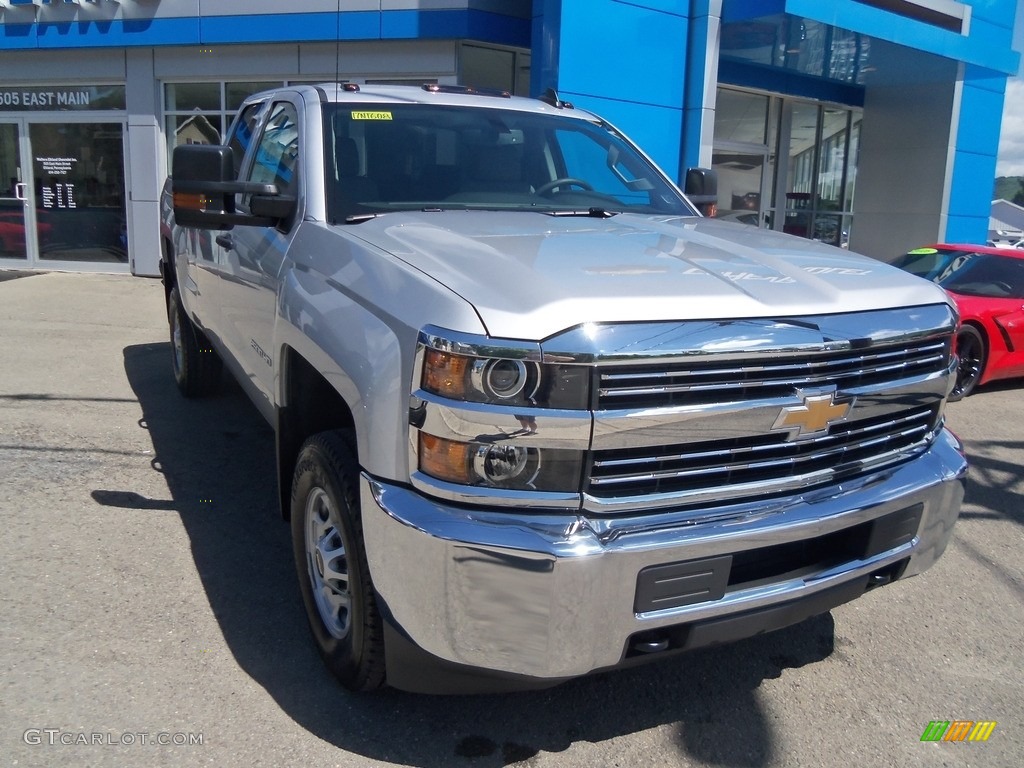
column 543, row 189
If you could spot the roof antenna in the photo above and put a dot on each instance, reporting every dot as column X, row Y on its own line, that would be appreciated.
column 337, row 46
column 551, row 97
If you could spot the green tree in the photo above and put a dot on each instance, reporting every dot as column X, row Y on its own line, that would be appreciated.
column 1018, row 199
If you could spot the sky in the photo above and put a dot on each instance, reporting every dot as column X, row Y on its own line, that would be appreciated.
column 1011, row 136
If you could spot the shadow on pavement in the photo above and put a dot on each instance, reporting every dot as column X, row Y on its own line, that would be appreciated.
column 218, row 459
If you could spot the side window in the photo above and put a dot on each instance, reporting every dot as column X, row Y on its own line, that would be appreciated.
column 277, row 154
column 243, row 132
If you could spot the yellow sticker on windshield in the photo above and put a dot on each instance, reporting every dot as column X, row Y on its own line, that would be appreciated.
column 921, row 251
column 371, row 115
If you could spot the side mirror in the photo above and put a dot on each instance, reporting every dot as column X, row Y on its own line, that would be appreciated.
column 701, row 186
column 203, row 185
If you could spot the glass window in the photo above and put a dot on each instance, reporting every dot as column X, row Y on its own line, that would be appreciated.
column 968, row 273
column 193, row 129
column 488, row 68
column 852, row 158
column 740, row 116
column 189, row 97
column 277, row 154
column 242, row 135
column 832, row 162
column 236, row 93
column 741, row 157
column 412, row 157
column 198, row 113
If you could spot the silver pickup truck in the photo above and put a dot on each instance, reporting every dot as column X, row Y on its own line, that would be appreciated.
column 535, row 416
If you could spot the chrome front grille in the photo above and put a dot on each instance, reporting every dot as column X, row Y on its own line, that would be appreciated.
column 700, row 415
column 716, row 380
column 770, row 462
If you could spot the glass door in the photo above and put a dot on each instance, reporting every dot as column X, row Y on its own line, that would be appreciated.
column 78, row 173
column 14, row 208
column 741, row 156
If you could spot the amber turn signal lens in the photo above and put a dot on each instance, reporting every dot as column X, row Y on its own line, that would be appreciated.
column 190, row 202
column 445, row 374
column 446, row 459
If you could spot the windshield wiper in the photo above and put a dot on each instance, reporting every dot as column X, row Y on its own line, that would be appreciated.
column 359, row 218
column 594, row 213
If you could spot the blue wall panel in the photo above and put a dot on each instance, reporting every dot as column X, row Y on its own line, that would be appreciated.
column 967, row 229
column 280, row 27
column 977, row 147
column 18, row 36
column 105, row 34
column 625, row 51
column 971, row 193
column 472, row 24
column 270, row 28
column 626, row 61
column 655, row 129
column 979, row 124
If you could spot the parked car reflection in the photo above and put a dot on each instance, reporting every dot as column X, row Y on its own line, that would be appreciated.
column 987, row 285
column 12, row 231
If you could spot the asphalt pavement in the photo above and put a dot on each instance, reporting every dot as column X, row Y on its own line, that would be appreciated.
column 149, row 613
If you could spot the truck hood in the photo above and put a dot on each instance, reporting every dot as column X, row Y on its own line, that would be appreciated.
column 531, row 275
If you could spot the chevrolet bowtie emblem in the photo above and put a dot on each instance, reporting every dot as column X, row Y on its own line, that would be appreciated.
column 814, row 416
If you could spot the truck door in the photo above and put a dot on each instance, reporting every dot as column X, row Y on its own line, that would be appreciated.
column 205, row 259
column 253, row 256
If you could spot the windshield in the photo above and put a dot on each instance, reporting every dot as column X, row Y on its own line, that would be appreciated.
column 968, row 273
column 402, row 157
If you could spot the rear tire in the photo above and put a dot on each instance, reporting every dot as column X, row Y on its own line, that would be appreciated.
column 970, row 349
column 330, row 560
column 197, row 368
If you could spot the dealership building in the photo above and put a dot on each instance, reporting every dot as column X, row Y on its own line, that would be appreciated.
column 870, row 124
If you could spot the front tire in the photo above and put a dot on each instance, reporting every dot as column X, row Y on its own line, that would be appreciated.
column 197, row 368
column 330, row 560
column 970, row 350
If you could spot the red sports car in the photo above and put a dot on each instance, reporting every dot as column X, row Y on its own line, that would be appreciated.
column 987, row 285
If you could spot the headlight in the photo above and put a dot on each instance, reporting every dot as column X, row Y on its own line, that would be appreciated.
column 489, row 414
column 500, row 465
column 504, row 381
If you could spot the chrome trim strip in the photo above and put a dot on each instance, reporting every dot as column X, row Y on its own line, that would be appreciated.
column 849, row 442
column 738, row 377
column 473, row 345
column 737, row 493
column 495, row 497
column 682, row 342
column 484, row 423
column 653, row 426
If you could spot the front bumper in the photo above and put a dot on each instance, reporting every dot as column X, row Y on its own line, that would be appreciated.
column 541, row 598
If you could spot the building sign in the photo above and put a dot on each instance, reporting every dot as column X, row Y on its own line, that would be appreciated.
column 44, row 98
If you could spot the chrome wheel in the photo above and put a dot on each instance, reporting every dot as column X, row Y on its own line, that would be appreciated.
column 327, row 564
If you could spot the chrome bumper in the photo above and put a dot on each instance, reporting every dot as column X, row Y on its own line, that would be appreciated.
column 557, row 596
